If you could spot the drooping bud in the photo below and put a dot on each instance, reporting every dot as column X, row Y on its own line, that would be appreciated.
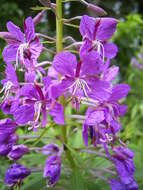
column 15, row 174
column 17, row 152
column 52, row 169
column 98, row 11
column 46, row 3
column 50, row 149
column 38, row 17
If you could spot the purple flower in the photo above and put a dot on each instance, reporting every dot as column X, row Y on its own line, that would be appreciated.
column 96, row 33
column 36, row 102
column 17, row 152
column 80, row 79
column 117, row 185
column 15, row 174
column 102, row 121
column 123, row 161
column 52, row 169
column 21, row 46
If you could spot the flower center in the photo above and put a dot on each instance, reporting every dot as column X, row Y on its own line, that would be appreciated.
column 80, row 84
column 100, row 48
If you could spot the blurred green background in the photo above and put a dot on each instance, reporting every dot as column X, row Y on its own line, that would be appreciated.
column 129, row 38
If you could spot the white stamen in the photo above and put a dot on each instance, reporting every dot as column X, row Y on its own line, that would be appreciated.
column 37, row 108
column 80, row 84
column 20, row 52
column 100, row 48
column 6, row 89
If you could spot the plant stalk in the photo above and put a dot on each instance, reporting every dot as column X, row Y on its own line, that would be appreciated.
column 59, row 48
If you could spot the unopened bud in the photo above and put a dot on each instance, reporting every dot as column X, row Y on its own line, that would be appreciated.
column 38, row 17
column 96, row 10
column 17, row 152
column 46, row 3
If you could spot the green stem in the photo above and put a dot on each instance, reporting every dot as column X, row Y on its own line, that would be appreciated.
column 59, row 26
column 59, row 47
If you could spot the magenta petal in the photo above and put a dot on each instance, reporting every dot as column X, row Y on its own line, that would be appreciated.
column 100, row 90
column 9, row 53
column 95, row 118
column 59, row 88
column 11, row 74
column 119, row 91
column 110, row 73
column 44, row 117
column 110, row 50
column 35, row 48
column 29, row 29
column 29, row 91
column 24, row 114
column 65, row 63
column 57, row 113
column 87, row 26
column 106, row 28
column 91, row 64
column 15, row 31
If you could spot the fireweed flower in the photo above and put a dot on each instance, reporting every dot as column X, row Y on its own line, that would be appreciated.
column 22, row 46
column 122, row 158
column 36, row 102
column 80, row 79
column 17, row 152
column 102, row 121
column 52, row 169
column 96, row 33
column 15, row 174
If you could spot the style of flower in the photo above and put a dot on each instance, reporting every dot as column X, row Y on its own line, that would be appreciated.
column 15, row 174
column 21, row 46
column 96, row 33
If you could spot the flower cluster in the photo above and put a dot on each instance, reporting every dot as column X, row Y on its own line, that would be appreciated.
column 88, row 81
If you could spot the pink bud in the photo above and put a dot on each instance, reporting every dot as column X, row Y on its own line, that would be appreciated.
column 38, row 17
column 46, row 3
column 96, row 10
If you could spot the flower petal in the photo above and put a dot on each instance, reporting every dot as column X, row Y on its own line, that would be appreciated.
column 65, row 63
column 106, row 28
column 110, row 50
column 87, row 26
column 29, row 29
column 15, row 31
column 9, row 53
column 119, row 91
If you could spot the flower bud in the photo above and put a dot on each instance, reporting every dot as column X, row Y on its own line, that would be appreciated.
column 15, row 174
column 5, row 149
column 46, row 3
column 52, row 169
column 50, row 149
column 38, row 17
column 17, row 152
column 96, row 10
